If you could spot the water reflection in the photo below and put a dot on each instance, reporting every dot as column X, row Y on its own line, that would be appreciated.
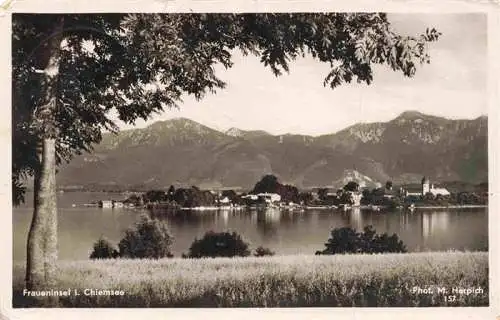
column 285, row 232
column 224, row 214
column 356, row 219
column 185, row 218
column 419, row 230
column 290, row 218
column 268, row 222
column 404, row 219
column 434, row 222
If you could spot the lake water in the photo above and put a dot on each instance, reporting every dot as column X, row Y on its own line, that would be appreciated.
column 283, row 232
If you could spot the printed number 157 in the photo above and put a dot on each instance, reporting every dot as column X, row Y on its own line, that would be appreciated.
column 450, row 298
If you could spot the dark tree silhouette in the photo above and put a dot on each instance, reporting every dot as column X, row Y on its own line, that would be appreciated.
column 347, row 240
column 268, row 183
column 388, row 185
column 305, row 197
column 154, row 196
column 230, row 194
column 103, row 249
column 223, row 244
column 262, row 252
column 149, row 238
column 351, row 186
column 322, row 193
column 170, row 193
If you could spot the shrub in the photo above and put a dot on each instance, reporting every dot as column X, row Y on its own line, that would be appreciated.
column 223, row 244
column 154, row 196
column 149, row 238
column 347, row 240
column 103, row 249
column 261, row 252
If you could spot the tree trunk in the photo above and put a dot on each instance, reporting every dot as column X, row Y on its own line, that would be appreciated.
column 42, row 237
column 41, row 262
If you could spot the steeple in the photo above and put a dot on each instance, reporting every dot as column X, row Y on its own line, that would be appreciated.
column 425, row 185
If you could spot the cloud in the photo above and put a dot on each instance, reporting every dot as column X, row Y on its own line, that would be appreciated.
column 453, row 85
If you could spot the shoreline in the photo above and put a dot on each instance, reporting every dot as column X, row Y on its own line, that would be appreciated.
column 295, row 208
column 471, row 206
column 332, row 208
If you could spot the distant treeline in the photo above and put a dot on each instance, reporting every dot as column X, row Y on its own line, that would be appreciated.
column 452, row 186
column 269, row 184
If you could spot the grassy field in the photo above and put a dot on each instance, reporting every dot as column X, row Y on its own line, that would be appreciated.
column 288, row 281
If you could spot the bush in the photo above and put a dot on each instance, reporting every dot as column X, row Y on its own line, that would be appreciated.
column 150, row 238
column 154, row 196
column 103, row 249
column 261, row 252
column 223, row 244
column 347, row 240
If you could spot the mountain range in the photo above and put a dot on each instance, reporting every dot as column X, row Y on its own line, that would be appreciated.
column 182, row 152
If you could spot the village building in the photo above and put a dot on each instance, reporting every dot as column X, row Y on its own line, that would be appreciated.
column 118, row 204
column 110, row 204
column 252, row 197
column 224, row 200
column 425, row 187
column 356, row 198
column 106, row 204
column 390, row 193
column 267, row 197
column 270, row 197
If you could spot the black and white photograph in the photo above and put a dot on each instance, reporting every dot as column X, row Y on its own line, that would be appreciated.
column 250, row 159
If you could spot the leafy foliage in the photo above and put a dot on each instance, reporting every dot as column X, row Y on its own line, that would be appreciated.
column 262, row 252
column 347, row 240
column 134, row 199
column 103, row 249
column 305, row 198
column 231, row 195
column 322, row 193
column 460, row 198
column 388, row 185
column 149, row 238
column 270, row 184
column 377, row 196
column 223, row 244
column 193, row 197
column 351, row 186
column 154, row 196
column 139, row 64
column 289, row 193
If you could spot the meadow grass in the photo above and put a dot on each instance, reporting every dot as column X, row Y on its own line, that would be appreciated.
column 280, row 281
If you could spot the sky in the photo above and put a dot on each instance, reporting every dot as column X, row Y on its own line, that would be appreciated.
column 453, row 85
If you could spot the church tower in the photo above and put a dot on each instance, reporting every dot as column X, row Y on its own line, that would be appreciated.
column 426, row 185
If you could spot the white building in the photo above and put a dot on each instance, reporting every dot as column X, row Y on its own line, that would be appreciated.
column 427, row 187
column 225, row 200
column 270, row 197
column 106, row 204
column 439, row 191
column 253, row 197
column 356, row 198
column 117, row 204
